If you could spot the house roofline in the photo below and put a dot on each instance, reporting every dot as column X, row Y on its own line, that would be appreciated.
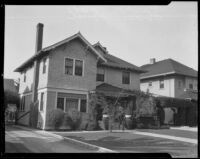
column 51, row 47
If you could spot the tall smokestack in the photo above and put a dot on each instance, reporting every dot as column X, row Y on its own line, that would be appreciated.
column 38, row 47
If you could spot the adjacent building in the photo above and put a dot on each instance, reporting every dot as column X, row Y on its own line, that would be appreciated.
column 169, row 78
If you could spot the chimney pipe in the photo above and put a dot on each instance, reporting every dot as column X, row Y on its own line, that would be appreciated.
column 39, row 36
column 152, row 60
column 38, row 47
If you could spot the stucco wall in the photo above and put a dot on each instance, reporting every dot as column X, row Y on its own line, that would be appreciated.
column 42, row 82
column 25, row 120
column 168, row 89
column 114, row 77
column 73, row 49
column 26, row 86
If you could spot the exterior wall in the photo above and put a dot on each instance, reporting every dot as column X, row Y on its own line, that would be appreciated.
column 25, row 120
column 168, row 90
column 191, row 80
column 25, row 87
column 43, row 78
column 42, row 114
column 73, row 49
column 114, row 77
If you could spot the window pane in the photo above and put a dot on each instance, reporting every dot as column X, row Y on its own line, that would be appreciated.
column 191, row 86
column 68, row 66
column 71, row 103
column 78, row 67
column 100, row 74
column 41, row 101
column 125, row 77
column 60, row 103
column 83, row 105
column 24, row 76
column 161, row 83
column 44, row 65
column 150, row 84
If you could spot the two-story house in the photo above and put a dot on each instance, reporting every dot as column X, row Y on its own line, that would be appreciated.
column 63, row 74
column 169, row 78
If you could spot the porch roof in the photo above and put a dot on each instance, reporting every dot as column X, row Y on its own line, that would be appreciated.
column 113, row 91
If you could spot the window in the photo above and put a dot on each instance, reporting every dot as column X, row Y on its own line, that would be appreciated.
column 78, row 67
column 22, row 106
column 68, row 66
column 150, row 84
column 71, row 103
column 190, row 86
column 42, row 102
column 44, row 65
column 25, row 76
column 125, row 77
column 162, row 83
column 60, row 103
column 100, row 74
column 83, row 106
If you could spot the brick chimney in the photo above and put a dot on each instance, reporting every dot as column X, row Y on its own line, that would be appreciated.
column 152, row 60
column 38, row 47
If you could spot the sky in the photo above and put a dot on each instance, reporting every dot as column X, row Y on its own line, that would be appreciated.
column 134, row 33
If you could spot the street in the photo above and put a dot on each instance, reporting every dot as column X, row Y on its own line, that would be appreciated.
column 23, row 141
column 178, row 143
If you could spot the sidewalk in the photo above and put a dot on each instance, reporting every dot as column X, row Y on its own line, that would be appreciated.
column 187, row 128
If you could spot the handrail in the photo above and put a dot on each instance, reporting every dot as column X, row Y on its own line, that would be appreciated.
column 23, row 115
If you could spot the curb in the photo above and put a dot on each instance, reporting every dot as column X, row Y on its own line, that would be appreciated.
column 73, row 141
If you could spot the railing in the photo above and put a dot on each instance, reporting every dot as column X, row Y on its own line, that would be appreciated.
column 22, row 115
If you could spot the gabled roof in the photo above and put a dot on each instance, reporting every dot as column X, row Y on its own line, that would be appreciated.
column 166, row 67
column 46, row 50
column 115, row 62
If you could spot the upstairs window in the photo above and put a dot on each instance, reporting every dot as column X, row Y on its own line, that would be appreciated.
column 100, row 74
column 42, row 102
column 125, row 77
column 78, row 67
column 68, row 66
column 190, row 86
column 44, row 65
column 25, row 76
column 150, row 84
column 161, row 83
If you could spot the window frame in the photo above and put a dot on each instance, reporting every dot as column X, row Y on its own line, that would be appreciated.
column 79, row 103
column 24, row 78
column 42, row 101
column 63, row 103
column 22, row 104
column 129, row 77
column 44, row 68
column 191, row 84
column 100, row 74
column 162, row 80
column 85, row 105
column 72, row 66
column 150, row 82
column 75, row 67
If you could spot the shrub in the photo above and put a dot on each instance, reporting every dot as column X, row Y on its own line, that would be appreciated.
column 74, row 119
column 56, row 117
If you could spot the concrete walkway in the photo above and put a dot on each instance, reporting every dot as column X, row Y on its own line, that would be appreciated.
column 193, row 129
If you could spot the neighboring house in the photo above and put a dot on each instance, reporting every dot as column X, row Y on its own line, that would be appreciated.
column 62, row 75
column 169, row 78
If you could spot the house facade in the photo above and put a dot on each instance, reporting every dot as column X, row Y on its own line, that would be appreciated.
column 63, row 74
column 169, row 78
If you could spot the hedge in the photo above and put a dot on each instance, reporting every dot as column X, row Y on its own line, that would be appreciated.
column 187, row 110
